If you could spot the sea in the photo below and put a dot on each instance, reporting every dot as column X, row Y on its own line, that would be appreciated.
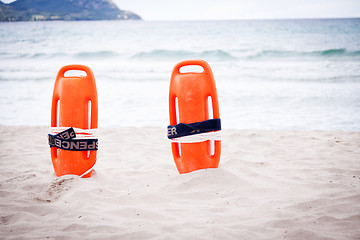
column 270, row 74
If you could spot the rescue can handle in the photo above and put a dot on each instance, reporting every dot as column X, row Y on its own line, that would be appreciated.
column 199, row 62
column 75, row 67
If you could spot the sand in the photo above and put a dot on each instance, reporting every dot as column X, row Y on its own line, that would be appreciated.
column 269, row 185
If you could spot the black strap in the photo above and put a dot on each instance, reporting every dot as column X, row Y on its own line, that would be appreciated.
column 65, row 140
column 182, row 129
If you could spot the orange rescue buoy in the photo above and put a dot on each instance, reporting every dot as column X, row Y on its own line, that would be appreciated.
column 190, row 99
column 74, row 104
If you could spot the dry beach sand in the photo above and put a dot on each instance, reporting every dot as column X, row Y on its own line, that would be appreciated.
column 269, row 185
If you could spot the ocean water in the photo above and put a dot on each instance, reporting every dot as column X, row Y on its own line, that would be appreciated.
column 270, row 74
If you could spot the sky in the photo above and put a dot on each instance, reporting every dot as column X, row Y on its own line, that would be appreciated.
column 240, row 9
column 155, row 10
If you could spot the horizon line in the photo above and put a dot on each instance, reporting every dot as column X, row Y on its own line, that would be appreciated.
column 250, row 19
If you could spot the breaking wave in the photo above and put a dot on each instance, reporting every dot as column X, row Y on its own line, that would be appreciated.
column 328, row 53
column 96, row 54
column 174, row 54
column 212, row 55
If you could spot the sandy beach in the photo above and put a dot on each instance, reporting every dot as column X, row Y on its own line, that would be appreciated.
column 269, row 185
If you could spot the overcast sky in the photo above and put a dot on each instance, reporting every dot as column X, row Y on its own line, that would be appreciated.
column 240, row 9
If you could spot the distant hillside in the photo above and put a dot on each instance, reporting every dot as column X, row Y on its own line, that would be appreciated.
column 43, row 10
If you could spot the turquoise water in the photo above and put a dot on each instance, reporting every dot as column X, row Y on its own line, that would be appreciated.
column 270, row 74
